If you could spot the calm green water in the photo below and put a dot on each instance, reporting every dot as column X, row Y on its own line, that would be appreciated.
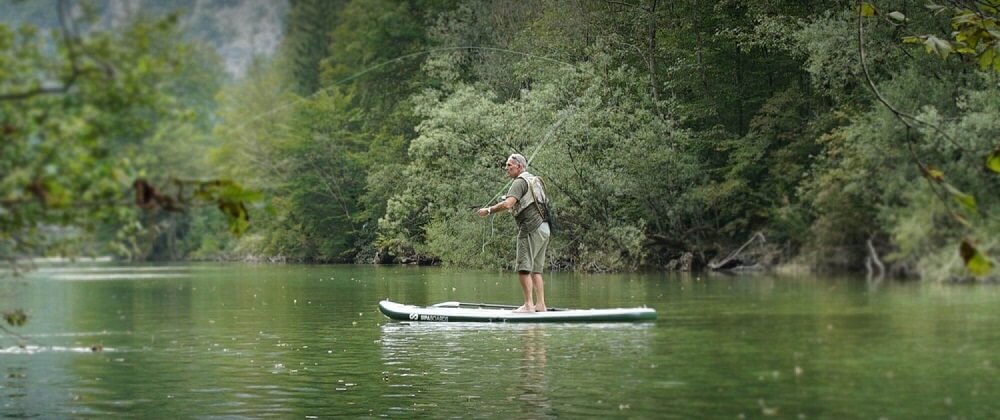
column 308, row 341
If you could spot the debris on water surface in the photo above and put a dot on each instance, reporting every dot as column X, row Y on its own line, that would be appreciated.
column 765, row 410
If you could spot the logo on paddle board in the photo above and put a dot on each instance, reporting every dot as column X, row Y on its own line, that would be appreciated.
column 418, row 317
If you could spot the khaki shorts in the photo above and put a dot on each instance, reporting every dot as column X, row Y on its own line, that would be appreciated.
column 531, row 249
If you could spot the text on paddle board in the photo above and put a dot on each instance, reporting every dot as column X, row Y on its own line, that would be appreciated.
column 419, row 317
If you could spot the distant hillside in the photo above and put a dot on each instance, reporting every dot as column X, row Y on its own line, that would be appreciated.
column 238, row 29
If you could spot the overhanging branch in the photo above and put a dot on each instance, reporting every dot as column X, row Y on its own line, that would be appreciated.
column 75, row 71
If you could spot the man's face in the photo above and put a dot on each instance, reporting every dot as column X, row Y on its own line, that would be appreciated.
column 513, row 169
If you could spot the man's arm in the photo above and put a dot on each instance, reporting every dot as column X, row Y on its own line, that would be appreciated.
column 502, row 206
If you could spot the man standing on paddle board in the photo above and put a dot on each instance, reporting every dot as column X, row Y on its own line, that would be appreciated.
column 526, row 199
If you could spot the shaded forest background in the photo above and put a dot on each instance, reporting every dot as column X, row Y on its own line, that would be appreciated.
column 847, row 134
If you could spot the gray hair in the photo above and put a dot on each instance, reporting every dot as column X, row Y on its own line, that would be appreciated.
column 519, row 159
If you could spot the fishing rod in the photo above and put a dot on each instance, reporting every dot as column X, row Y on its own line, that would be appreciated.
column 545, row 140
column 386, row 63
column 369, row 69
column 531, row 158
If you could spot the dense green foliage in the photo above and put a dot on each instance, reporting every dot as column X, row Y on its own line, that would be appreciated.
column 90, row 115
column 663, row 129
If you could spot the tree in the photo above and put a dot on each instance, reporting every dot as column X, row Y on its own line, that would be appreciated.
column 308, row 40
column 77, row 109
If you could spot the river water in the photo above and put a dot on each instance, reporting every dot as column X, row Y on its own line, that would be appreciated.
column 230, row 340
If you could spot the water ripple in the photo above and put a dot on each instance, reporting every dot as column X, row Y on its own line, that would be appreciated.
column 34, row 349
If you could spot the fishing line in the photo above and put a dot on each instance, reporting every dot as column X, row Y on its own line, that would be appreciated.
column 545, row 140
column 367, row 70
column 386, row 63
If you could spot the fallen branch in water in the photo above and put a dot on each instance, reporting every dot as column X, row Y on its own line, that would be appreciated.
column 873, row 258
column 724, row 264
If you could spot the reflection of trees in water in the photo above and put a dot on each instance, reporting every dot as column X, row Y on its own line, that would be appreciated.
column 532, row 385
column 457, row 369
column 15, row 390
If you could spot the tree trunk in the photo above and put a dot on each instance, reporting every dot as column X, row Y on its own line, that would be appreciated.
column 651, row 53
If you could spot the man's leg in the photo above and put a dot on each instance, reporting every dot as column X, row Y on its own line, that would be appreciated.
column 539, row 242
column 525, row 278
column 536, row 279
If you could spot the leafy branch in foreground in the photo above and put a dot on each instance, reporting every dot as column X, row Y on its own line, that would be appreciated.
column 231, row 198
column 77, row 114
column 976, row 34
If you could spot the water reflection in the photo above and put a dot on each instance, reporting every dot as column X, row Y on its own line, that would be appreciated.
column 35, row 349
column 14, row 391
column 518, row 369
column 533, row 384
column 301, row 342
column 74, row 273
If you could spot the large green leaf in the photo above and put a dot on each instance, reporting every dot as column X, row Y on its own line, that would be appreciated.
column 975, row 261
column 986, row 58
column 237, row 215
column 934, row 173
column 965, row 200
column 967, row 18
column 935, row 45
column 993, row 160
column 936, row 8
column 231, row 198
column 867, row 9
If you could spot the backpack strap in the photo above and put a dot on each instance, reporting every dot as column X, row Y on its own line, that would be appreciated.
column 534, row 198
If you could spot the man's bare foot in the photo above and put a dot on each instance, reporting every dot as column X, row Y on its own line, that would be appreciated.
column 540, row 308
column 525, row 309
